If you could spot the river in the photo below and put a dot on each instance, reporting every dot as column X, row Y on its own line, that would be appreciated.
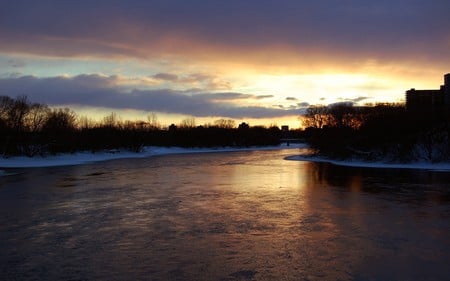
column 249, row 215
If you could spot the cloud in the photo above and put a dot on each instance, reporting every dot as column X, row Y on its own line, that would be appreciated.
column 353, row 100
column 342, row 103
column 358, row 99
column 165, row 77
column 291, row 99
column 103, row 91
column 303, row 104
column 260, row 97
column 384, row 29
column 197, row 78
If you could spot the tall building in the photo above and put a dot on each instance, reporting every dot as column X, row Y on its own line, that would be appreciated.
column 429, row 100
column 446, row 88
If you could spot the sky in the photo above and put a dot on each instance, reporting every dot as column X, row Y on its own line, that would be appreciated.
column 256, row 61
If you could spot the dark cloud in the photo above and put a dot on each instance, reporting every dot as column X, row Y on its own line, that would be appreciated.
column 291, row 99
column 165, row 77
column 303, row 104
column 101, row 91
column 358, row 99
column 260, row 97
column 384, row 28
column 342, row 103
column 353, row 100
column 197, row 78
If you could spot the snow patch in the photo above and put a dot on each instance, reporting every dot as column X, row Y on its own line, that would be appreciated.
column 438, row 167
column 89, row 157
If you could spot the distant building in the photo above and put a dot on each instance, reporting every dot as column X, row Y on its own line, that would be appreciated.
column 429, row 100
column 285, row 128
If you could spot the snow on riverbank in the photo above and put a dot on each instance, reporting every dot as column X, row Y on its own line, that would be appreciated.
column 88, row 157
column 444, row 167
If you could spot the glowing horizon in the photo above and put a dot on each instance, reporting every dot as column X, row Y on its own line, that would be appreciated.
column 259, row 62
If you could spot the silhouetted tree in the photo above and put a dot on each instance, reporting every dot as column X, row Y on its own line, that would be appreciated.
column 37, row 117
column 316, row 117
column 32, row 128
column 225, row 123
column 243, row 126
column 153, row 121
column 188, row 122
column 16, row 113
column 60, row 121
column 111, row 120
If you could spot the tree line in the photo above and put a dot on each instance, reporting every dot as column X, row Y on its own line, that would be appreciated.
column 384, row 131
column 29, row 128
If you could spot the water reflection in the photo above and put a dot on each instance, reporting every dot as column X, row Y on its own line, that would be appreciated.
column 413, row 186
column 234, row 216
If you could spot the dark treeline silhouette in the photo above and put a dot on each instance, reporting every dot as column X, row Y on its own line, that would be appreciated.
column 384, row 131
column 28, row 128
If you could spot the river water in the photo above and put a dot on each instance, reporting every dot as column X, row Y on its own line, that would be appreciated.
column 224, row 216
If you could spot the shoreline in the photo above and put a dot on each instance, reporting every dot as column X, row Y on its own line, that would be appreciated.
column 85, row 157
column 437, row 167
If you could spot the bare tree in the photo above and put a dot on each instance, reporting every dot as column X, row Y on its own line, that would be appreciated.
column 153, row 121
column 17, row 112
column 5, row 105
column 316, row 117
column 341, row 114
column 60, row 120
column 188, row 123
column 36, row 117
column 110, row 120
column 225, row 123
column 85, row 122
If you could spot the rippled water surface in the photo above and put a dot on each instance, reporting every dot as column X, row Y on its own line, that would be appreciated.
column 224, row 216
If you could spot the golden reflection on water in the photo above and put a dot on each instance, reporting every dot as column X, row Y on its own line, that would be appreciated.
column 237, row 216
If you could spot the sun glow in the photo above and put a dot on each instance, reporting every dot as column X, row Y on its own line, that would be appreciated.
column 324, row 88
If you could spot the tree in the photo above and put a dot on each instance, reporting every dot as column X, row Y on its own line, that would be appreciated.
column 316, row 116
column 111, row 120
column 5, row 106
column 153, row 121
column 188, row 123
column 16, row 113
column 225, row 123
column 60, row 121
column 243, row 126
column 36, row 117
column 85, row 122
column 341, row 114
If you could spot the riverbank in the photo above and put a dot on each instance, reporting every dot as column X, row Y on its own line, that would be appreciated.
column 79, row 158
column 444, row 167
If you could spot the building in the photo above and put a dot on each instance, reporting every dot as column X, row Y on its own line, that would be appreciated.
column 430, row 100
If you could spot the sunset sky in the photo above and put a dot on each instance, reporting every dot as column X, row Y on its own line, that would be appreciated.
column 262, row 62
